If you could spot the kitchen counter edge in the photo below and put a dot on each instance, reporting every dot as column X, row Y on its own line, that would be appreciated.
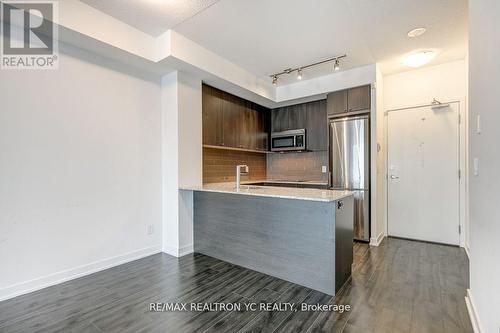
column 273, row 192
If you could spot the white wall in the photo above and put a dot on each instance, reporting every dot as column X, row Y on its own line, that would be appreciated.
column 80, row 170
column 444, row 82
column 378, row 162
column 182, row 158
column 484, row 92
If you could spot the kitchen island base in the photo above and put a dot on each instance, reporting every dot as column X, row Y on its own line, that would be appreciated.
column 302, row 241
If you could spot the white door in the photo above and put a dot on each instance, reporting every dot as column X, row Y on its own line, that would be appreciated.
column 423, row 179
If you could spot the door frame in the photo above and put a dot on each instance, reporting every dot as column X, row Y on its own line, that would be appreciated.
column 462, row 164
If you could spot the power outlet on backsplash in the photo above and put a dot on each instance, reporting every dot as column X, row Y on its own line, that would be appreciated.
column 324, row 169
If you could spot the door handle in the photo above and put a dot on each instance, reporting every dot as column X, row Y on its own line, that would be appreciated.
column 394, row 177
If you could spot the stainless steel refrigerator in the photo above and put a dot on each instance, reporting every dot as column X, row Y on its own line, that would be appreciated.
column 350, row 166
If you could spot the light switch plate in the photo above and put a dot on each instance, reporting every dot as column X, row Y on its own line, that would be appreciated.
column 323, row 169
column 478, row 124
column 476, row 166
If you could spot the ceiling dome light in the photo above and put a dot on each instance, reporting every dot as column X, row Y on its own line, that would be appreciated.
column 419, row 59
column 416, row 32
column 336, row 66
column 299, row 74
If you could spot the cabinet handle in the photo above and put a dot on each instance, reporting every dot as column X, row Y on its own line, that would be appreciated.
column 340, row 204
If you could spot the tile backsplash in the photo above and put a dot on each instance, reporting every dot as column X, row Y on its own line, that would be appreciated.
column 219, row 165
column 298, row 166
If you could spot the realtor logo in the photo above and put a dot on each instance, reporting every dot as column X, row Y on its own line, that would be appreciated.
column 29, row 34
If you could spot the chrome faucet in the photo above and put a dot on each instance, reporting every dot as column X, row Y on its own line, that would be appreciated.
column 239, row 173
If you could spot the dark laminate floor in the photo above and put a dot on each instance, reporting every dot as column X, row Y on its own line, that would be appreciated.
column 401, row 286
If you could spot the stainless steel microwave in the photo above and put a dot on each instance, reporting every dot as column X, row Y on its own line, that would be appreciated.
column 292, row 140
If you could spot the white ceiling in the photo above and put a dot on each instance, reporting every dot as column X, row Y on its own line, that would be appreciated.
column 267, row 36
column 151, row 16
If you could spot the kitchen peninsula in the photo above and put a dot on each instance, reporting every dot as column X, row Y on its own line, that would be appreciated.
column 300, row 235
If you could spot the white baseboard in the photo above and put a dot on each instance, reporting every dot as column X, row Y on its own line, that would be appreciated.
column 375, row 241
column 178, row 252
column 471, row 308
column 73, row 273
column 187, row 249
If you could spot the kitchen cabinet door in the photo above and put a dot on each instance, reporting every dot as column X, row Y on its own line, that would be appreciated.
column 212, row 116
column 263, row 129
column 358, row 99
column 232, row 120
column 296, row 116
column 280, row 119
column 249, row 126
column 337, row 102
column 275, row 125
column 316, row 126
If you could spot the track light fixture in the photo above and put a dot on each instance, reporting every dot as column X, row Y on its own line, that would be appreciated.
column 336, row 67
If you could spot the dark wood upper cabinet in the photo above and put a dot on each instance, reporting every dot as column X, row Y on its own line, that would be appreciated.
column 280, row 119
column 288, row 118
column 275, row 120
column 248, row 126
column 316, row 126
column 231, row 121
column 349, row 100
column 212, row 116
column 337, row 102
column 311, row 116
column 358, row 99
column 263, row 129
column 296, row 116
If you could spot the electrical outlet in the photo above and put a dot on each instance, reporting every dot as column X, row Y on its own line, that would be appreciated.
column 323, row 169
column 476, row 167
column 151, row 229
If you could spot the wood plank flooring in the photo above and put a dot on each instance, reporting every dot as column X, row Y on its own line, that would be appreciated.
column 401, row 286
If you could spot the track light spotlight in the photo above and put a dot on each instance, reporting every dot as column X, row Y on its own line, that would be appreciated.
column 275, row 80
column 299, row 74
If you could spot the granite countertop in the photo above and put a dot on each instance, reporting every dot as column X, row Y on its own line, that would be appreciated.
column 271, row 191
column 307, row 182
